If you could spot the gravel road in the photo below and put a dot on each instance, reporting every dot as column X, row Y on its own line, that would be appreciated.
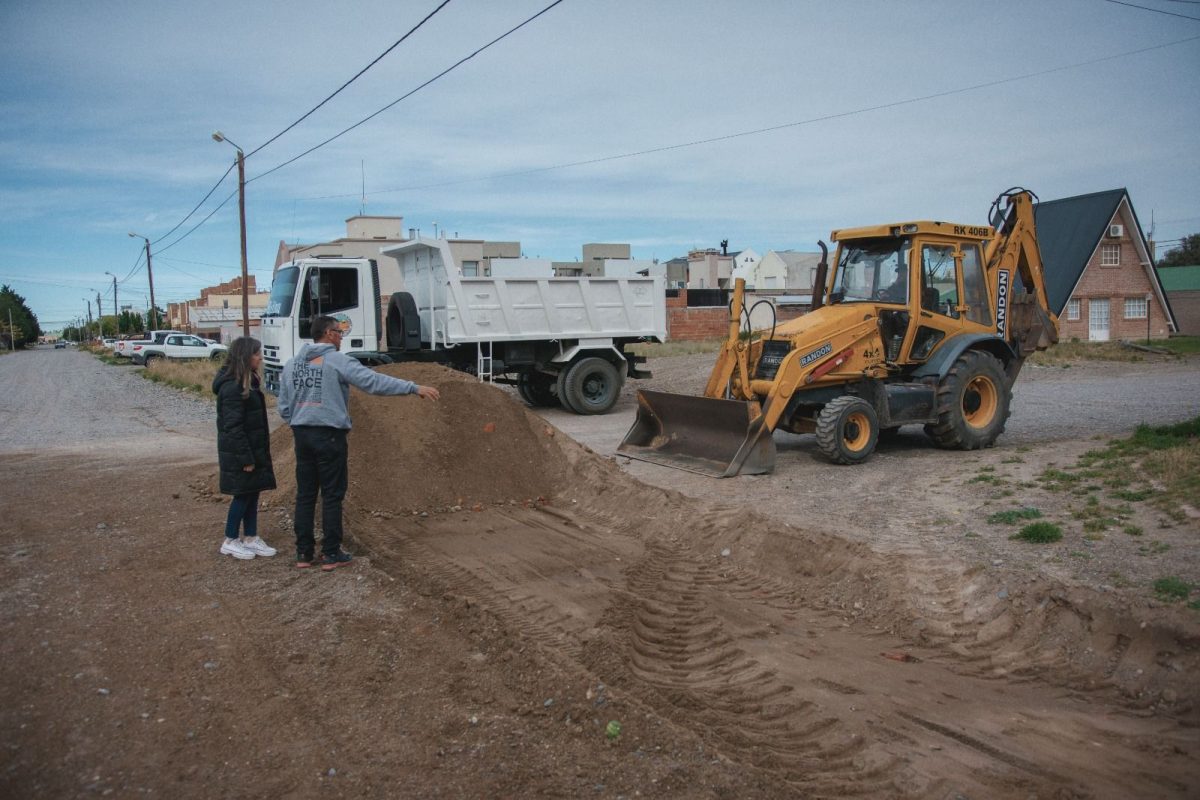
column 69, row 400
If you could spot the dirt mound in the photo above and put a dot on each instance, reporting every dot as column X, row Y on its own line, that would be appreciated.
column 473, row 447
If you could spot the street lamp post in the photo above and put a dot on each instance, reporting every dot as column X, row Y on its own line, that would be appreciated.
column 88, row 300
column 99, row 316
column 241, row 162
column 149, row 272
column 116, row 307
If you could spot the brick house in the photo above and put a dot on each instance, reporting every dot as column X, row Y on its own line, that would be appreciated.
column 1100, row 278
column 1183, row 294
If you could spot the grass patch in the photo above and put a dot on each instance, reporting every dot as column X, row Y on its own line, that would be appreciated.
column 680, row 348
column 1157, row 464
column 1039, row 533
column 1172, row 589
column 1132, row 530
column 191, row 376
column 1180, row 345
column 1066, row 353
column 1013, row 516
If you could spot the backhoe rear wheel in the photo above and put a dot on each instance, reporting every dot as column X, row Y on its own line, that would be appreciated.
column 973, row 403
column 847, row 430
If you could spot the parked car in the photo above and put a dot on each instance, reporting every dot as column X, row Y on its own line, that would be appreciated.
column 178, row 346
column 60, row 345
column 124, row 348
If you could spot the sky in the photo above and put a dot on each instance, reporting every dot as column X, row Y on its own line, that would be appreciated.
column 867, row 111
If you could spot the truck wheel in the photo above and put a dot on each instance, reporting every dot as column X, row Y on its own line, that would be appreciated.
column 218, row 356
column 973, row 403
column 151, row 359
column 591, row 386
column 847, row 430
column 537, row 389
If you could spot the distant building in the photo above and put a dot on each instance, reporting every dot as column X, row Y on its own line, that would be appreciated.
column 364, row 236
column 474, row 256
column 745, row 266
column 217, row 313
column 1182, row 287
column 709, row 269
column 1100, row 278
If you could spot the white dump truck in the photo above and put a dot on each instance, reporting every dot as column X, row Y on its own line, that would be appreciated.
column 558, row 340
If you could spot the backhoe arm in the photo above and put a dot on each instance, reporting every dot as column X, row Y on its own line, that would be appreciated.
column 1024, row 319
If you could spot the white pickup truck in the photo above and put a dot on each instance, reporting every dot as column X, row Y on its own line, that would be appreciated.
column 124, row 347
column 178, row 346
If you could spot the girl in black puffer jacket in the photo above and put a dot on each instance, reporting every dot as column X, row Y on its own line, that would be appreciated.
column 243, row 446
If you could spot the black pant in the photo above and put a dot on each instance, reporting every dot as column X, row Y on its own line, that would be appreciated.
column 320, row 465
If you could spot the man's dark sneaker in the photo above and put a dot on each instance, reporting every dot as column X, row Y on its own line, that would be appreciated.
column 303, row 560
column 338, row 559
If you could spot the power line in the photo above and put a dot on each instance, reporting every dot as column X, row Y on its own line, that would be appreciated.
column 769, row 129
column 441, row 74
column 197, row 208
column 379, row 58
column 204, row 199
column 444, row 72
column 1155, row 10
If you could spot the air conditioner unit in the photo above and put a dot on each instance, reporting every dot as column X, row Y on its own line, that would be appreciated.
column 1116, row 231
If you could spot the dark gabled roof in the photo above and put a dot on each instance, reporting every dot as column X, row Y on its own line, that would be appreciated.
column 1068, row 231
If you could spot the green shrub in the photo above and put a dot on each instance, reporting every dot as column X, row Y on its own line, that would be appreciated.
column 1039, row 533
column 1013, row 516
column 1172, row 589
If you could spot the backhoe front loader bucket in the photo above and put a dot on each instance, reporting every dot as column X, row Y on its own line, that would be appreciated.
column 721, row 438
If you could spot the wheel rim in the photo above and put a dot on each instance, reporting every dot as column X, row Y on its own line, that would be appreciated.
column 595, row 388
column 980, row 401
column 856, row 432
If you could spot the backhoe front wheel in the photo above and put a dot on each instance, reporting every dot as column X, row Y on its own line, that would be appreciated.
column 973, row 403
column 847, row 430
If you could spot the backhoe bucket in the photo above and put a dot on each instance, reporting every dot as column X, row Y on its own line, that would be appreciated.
column 720, row 438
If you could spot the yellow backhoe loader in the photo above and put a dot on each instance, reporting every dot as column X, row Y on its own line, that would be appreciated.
column 918, row 322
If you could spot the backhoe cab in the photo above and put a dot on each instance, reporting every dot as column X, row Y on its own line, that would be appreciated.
column 917, row 322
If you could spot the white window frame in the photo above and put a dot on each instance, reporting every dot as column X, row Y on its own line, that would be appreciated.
column 1073, row 306
column 1110, row 255
column 1136, row 308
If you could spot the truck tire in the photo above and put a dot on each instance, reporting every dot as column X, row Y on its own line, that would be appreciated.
column 590, row 386
column 152, row 357
column 973, row 403
column 847, row 430
column 537, row 389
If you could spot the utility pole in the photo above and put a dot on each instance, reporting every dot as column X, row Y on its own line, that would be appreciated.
column 99, row 316
column 241, row 164
column 116, row 306
column 89, row 325
column 153, row 316
column 12, row 334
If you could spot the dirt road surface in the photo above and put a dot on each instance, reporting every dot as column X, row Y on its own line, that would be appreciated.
column 800, row 634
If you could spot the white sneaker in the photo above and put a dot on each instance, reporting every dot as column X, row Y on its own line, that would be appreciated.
column 232, row 547
column 258, row 547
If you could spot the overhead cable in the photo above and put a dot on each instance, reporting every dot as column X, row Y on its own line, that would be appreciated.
column 440, row 75
column 197, row 208
column 358, row 75
column 769, row 129
column 1155, row 10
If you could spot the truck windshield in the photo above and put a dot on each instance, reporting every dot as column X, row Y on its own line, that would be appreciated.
column 874, row 270
column 283, row 292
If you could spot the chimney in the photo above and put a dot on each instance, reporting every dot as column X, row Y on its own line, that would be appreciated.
column 412, row 233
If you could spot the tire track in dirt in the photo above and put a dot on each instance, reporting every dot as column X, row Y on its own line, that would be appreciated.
column 680, row 651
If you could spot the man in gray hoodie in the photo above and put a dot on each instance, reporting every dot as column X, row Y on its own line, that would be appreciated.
column 313, row 393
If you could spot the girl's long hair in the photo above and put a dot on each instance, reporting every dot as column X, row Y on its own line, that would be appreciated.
column 241, row 350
